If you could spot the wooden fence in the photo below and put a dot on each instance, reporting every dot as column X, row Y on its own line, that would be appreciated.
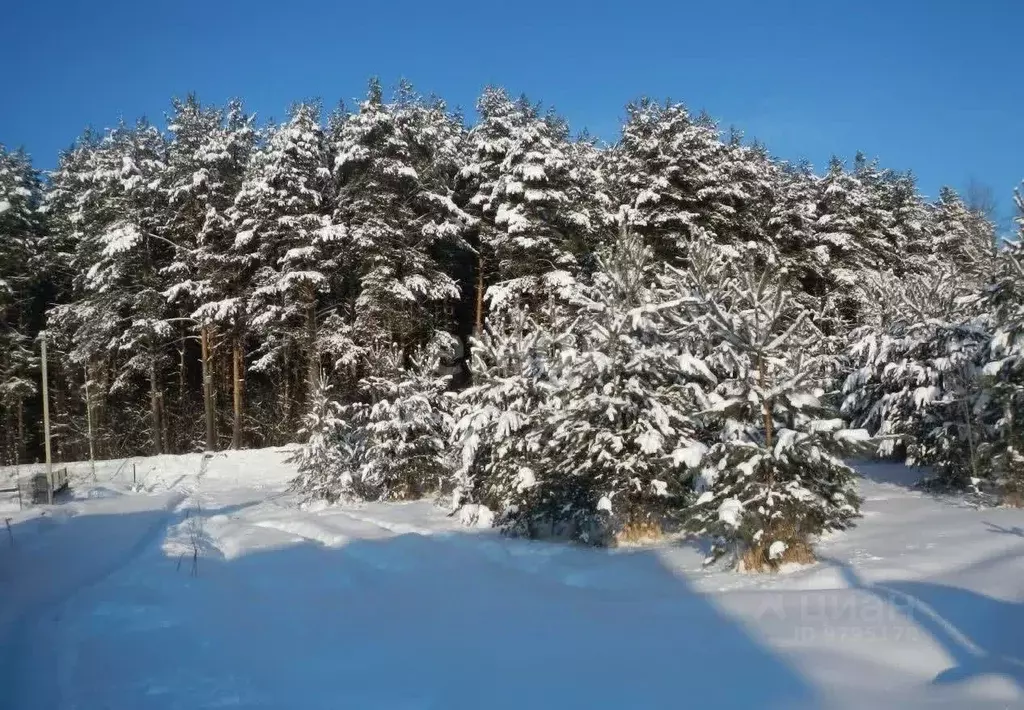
column 35, row 488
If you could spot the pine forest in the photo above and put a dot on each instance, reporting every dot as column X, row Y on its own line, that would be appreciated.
column 555, row 336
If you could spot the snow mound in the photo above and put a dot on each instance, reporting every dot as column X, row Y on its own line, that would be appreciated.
column 473, row 515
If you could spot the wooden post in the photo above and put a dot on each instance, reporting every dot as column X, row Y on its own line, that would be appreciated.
column 211, row 430
column 46, row 419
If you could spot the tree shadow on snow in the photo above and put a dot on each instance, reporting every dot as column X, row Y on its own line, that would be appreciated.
column 1016, row 530
column 981, row 634
column 47, row 560
column 413, row 621
column 889, row 472
column 407, row 621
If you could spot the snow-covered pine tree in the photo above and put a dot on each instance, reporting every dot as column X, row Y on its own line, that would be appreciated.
column 1004, row 370
column 395, row 166
column 390, row 444
column 324, row 457
column 668, row 170
column 542, row 225
column 190, row 188
column 406, row 424
column 120, row 314
column 488, row 143
column 498, row 418
column 282, row 207
column 962, row 239
column 914, row 382
column 776, row 477
column 20, row 234
column 66, row 203
column 623, row 423
column 220, row 291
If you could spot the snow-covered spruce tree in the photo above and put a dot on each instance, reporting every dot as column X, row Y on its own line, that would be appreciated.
column 914, row 383
column 1004, row 370
column 792, row 221
column 540, row 226
column 852, row 235
column 622, row 425
column 908, row 225
column 916, row 354
column 776, row 477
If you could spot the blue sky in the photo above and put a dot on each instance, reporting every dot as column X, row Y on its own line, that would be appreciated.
column 930, row 85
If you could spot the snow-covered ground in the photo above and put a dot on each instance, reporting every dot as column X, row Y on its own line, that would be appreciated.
column 204, row 585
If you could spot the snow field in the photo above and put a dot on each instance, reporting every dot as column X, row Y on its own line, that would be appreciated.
column 400, row 606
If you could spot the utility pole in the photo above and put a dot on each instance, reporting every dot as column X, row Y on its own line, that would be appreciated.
column 46, row 421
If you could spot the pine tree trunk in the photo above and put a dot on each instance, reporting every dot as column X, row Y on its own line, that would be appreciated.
column 238, row 383
column 19, row 449
column 101, row 411
column 1010, row 436
column 165, row 425
column 479, row 321
column 769, row 433
column 89, row 423
column 286, row 401
column 313, row 373
column 8, row 456
column 181, row 369
column 59, row 383
column 208, row 401
column 970, row 438
column 179, row 430
column 154, row 403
